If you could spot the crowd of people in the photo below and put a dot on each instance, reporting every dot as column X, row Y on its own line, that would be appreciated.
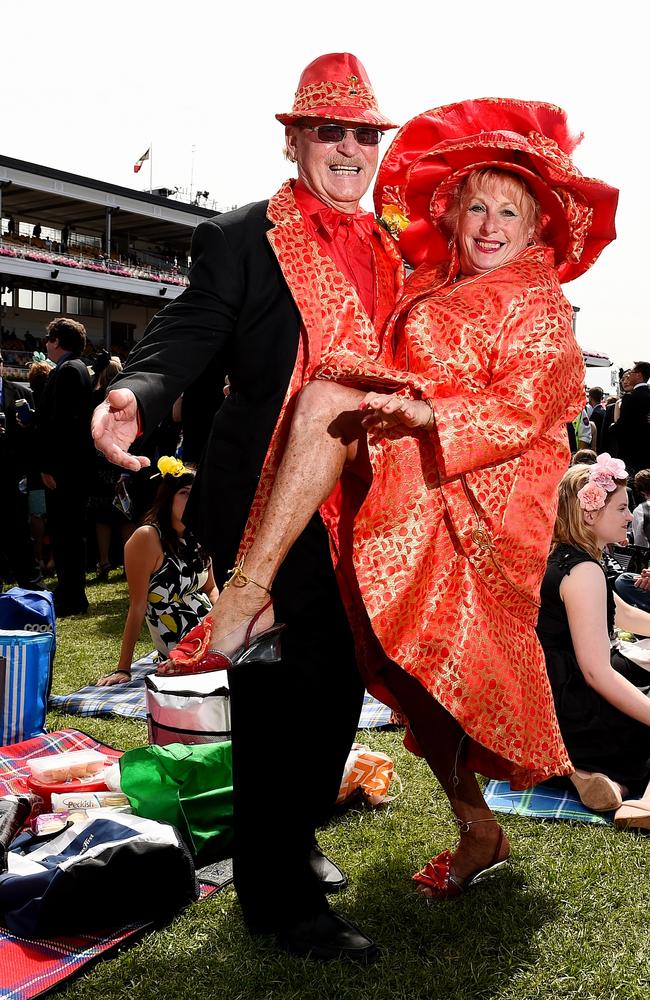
column 70, row 510
column 387, row 472
column 92, row 257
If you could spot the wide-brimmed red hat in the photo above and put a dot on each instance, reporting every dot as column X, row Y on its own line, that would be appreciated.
column 336, row 87
column 432, row 153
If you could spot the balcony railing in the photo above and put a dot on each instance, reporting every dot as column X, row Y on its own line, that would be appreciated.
column 88, row 259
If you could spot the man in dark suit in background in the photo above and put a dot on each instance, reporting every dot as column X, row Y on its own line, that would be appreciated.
column 632, row 428
column 66, row 457
column 596, row 412
column 265, row 283
column 16, row 545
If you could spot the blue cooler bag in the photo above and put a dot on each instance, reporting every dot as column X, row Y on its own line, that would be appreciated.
column 25, row 672
column 32, row 610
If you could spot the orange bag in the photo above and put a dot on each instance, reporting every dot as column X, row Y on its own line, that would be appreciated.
column 367, row 775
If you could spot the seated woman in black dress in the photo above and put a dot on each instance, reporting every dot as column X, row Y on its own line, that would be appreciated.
column 601, row 698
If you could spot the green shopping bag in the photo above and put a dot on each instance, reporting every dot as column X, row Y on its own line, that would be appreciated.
column 187, row 786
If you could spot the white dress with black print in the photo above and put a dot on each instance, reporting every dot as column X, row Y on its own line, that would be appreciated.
column 175, row 603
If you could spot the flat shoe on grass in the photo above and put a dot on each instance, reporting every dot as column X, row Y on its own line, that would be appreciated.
column 633, row 815
column 597, row 791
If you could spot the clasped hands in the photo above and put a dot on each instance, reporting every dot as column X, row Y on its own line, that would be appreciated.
column 383, row 411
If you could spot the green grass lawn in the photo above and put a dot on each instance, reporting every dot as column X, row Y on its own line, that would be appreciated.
column 569, row 919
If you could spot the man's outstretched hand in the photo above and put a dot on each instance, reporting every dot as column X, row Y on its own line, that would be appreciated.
column 115, row 428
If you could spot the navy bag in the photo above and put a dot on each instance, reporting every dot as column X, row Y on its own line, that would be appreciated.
column 102, row 873
column 27, row 644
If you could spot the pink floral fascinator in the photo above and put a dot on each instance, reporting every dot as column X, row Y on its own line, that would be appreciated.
column 602, row 480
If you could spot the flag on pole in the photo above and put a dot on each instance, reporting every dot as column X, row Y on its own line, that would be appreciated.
column 145, row 156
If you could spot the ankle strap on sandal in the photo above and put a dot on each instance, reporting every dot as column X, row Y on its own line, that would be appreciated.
column 238, row 578
column 464, row 825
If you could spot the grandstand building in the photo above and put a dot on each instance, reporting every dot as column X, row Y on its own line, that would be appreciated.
column 107, row 255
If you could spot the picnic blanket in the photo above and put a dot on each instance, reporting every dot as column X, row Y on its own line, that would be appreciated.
column 374, row 714
column 13, row 759
column 542, row 802
column 118, row 699
column 129, row 700
column 30, row 967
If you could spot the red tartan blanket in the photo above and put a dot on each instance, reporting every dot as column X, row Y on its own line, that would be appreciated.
column 13, row 759
column 30, row 967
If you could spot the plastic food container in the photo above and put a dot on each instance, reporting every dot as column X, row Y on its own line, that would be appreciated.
column 48, row 823
column 57, row 768
column 44, row 790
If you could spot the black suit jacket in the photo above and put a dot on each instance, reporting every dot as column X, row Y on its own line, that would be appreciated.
column 606, row 436
column 65, row 446
column 237, row 308
column 632, row 429
column 16, row 442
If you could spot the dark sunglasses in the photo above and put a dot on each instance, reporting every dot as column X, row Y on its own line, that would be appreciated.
column 364, row 134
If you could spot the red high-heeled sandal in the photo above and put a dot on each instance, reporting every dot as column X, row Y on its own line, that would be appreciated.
column 438, row 877
column 193, row 656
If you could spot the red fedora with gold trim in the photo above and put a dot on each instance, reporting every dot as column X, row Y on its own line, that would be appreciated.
column 336, row 87
column 433, row 152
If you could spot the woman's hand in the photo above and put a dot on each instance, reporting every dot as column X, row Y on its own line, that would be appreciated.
column 117, row 677
column 382, row 411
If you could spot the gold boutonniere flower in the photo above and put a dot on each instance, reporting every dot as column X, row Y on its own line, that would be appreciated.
column 170, row 466
column 393, row 221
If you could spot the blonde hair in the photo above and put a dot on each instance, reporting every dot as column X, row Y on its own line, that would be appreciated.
column 493, row 181
column 570, row 525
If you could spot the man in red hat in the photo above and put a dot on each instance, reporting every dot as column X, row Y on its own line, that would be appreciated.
column 272, row 285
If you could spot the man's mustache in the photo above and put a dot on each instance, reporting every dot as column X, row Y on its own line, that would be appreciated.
column 352, row 162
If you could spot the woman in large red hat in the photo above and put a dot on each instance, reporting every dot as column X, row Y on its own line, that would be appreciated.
column 452, row 492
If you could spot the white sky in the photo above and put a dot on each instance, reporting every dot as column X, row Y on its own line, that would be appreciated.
column 88, row 86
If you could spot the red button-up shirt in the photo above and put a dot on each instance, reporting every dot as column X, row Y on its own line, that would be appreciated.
column 346, row 238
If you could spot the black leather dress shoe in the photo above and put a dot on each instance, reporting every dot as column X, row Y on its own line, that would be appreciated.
column 327, row 937
column 328, row 874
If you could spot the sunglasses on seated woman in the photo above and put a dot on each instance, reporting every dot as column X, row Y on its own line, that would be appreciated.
column 365, row 135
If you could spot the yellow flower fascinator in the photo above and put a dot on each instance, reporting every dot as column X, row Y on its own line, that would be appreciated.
column 170, row 466
column 393, row 220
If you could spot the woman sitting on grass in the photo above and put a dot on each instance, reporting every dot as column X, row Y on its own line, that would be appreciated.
column 170, row 579
column 601, row 698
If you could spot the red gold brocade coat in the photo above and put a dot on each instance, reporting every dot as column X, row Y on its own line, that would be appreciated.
column 450, row 544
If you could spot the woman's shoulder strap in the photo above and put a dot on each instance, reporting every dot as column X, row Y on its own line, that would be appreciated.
column 565, row 557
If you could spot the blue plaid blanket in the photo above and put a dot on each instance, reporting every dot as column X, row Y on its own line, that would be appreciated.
column 128, row 699
column 541, row 802
column 119, row 699
column 374, row 714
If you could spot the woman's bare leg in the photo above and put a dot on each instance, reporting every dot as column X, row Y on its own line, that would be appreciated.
column 323, row 439
column 442, row 741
